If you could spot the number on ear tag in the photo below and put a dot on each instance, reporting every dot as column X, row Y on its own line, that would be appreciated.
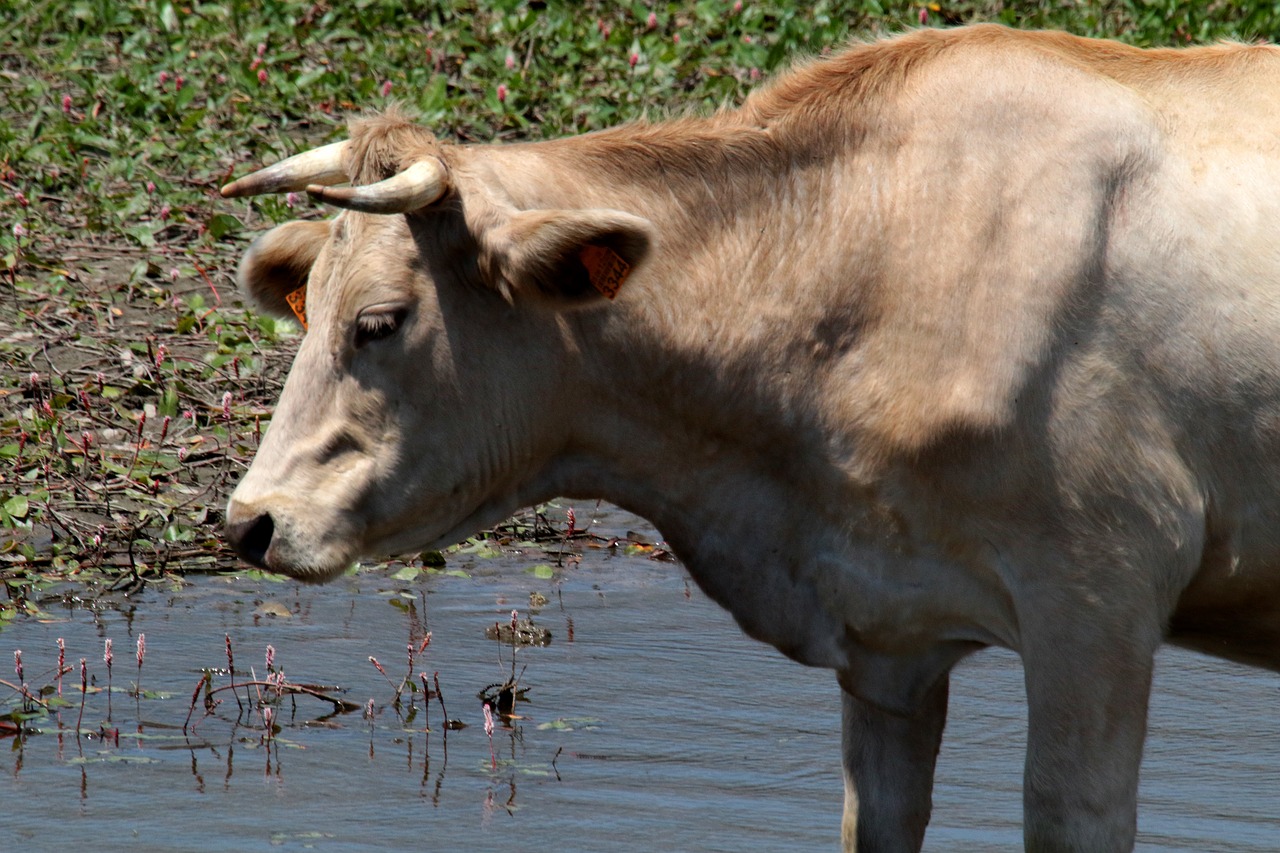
column 606, row 269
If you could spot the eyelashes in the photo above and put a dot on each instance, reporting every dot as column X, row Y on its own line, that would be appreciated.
column 376, row 324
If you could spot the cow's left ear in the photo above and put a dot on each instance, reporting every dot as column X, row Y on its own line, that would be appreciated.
column 566, row 257
column 278, row 264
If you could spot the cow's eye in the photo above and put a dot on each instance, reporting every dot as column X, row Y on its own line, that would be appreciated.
column 374, row 324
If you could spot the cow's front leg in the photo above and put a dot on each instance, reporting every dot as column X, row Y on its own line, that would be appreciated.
column 1086, row 721
column 888, row 771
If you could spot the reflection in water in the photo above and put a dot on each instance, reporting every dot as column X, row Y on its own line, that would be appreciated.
column 652, row 724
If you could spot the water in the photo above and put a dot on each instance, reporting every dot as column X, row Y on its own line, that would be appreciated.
column 659, row 726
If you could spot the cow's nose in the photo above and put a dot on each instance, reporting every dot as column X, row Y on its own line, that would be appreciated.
column 251, row 537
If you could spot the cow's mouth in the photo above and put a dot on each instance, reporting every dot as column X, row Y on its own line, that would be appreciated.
column 278, row 542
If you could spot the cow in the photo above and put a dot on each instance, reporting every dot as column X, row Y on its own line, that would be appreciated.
column 951, row 340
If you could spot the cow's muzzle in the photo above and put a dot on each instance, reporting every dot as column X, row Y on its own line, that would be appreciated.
column 251, row 537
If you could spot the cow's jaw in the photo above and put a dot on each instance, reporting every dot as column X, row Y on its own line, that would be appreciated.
column 315, row 536
column 328, row 487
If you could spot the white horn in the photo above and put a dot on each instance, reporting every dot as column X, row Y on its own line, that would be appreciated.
column 319, row 166
column 413, row 189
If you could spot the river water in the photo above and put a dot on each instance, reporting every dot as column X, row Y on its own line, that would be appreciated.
column 653, row 724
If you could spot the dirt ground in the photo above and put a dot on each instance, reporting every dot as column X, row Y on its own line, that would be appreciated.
column 135, row 391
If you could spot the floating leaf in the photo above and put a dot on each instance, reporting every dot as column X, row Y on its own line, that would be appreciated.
column 542, row 571
column 407, row 573
column 569, row 724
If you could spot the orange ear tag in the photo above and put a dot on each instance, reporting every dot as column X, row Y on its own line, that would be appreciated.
column 606, row 269
column 298, row 302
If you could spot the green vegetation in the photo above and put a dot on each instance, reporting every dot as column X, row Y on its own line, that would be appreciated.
column 136, row 385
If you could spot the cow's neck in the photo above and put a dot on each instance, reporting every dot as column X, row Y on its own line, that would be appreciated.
column 694, row 401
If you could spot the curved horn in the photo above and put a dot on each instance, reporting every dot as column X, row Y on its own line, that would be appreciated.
column 413, row 189
column 319, row 166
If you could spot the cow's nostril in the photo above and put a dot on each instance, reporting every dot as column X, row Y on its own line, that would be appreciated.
column 252, row 537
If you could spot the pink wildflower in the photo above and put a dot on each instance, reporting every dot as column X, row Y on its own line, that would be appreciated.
column 386, row 88
column 165, row 210
column 20, row 198
column 173, row 275
column 163, row 78
column 290, row 200
column 142, row 649
column 262, row 48
column 924, row 15
column 107, row 657
column 19, row 230
column 488, row 730
column 502, row 92
column 17, row 663
column 66, row 105
column 510, row 61
column 737, row 7
column 633, row 59
column 262, row 76
column 652, row 23
column 151, row 187
column 271, row 657
column 178, row 83
column 226, row 405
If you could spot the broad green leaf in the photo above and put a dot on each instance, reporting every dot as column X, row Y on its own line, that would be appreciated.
column 221, row 224
column 17, row 506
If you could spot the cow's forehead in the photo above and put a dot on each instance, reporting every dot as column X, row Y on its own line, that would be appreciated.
column 368, row 259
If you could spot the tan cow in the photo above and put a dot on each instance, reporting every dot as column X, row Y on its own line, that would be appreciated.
column 961, row 339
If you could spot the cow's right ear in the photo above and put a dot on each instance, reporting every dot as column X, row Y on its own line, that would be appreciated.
column 565, row 258
column 278, row 264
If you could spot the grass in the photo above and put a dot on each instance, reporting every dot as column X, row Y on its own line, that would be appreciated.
column 136, row 385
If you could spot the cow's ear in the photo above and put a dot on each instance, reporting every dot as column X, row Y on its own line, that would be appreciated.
column 567, row 257
column 278, row 264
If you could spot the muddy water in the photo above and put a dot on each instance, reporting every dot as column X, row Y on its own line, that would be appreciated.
column 653, row 725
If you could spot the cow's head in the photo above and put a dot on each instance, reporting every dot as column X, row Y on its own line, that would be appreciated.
column 427, row 398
